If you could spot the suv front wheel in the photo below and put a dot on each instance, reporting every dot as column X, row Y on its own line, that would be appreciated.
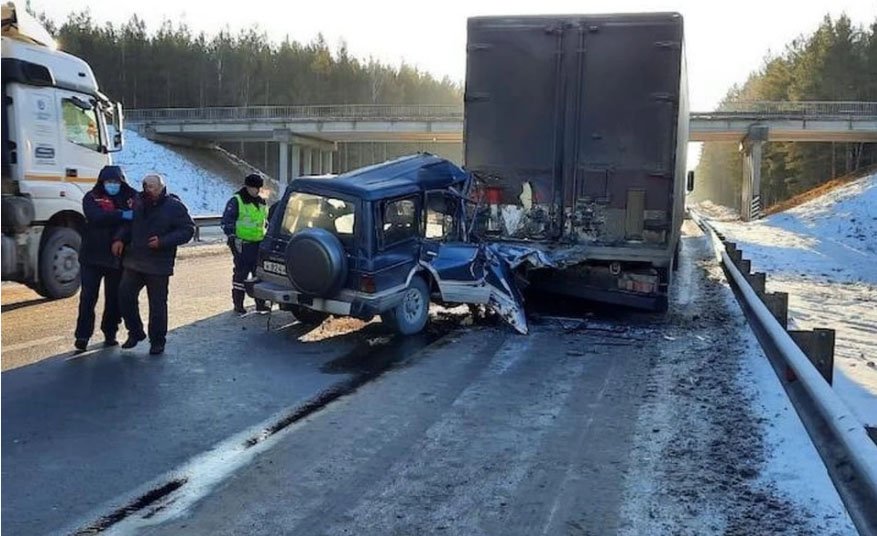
column 410, row 315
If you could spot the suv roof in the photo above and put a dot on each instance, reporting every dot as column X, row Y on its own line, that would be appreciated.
column 409, row 174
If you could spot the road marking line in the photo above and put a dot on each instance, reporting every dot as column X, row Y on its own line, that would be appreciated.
column 30, row 344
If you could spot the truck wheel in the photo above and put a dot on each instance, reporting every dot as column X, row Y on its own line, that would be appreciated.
column 410, row 316
column 59, row 263
column 308, row 316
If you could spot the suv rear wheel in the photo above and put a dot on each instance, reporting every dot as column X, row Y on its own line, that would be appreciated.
column 410, row 315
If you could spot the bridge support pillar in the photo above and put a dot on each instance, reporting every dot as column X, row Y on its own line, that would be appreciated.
column 308, row 159
column 327, row 161
column 318, row 162
column 296, row 161
column 283, row 176
column 751, row 147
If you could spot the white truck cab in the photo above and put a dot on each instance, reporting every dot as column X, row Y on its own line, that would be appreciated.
column 58, row 132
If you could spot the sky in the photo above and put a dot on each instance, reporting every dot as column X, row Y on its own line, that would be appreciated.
column 725, row 40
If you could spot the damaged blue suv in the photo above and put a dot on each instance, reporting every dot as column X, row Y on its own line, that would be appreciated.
column 382, row 240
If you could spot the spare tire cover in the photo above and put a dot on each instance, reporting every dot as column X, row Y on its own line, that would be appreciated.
column 315, row 262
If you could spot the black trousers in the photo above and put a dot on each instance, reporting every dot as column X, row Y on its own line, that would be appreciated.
column 244, row 263
column 156, row 289
column 91, row 278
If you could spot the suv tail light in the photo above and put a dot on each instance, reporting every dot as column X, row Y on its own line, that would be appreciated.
column 367, row 284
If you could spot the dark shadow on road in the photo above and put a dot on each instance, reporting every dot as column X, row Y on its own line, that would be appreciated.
column 22, row 304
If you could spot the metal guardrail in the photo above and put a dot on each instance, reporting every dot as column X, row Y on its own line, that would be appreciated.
column 849, row 454
column 454, row 112
column 211, row 220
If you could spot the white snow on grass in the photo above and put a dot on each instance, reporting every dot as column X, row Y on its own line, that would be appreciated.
column 202, row 191
column 824, row 254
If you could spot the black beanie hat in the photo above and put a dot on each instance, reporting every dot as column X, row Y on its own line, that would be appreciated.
column 111, row 173
column 255, row 180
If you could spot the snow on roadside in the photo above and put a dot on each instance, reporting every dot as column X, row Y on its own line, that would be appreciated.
column 202, row 191
column 718, row 447
column 824, row 254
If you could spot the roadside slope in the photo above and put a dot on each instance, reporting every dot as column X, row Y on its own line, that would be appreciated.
column 824, row 254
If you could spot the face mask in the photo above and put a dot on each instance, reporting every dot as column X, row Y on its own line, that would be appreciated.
column 112, row 188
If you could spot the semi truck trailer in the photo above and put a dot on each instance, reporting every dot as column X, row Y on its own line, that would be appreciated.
column 575, row 131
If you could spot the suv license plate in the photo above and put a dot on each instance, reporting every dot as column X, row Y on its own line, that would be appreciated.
column 274, row 267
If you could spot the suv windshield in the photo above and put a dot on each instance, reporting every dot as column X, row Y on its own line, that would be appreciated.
column 304, row 211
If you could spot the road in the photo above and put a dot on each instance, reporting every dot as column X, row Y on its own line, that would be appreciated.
column 595, row 423
column 35, row 328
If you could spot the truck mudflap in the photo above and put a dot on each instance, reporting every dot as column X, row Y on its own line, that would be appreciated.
column 484, row 274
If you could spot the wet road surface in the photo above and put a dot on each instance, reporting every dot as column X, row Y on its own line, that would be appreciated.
column 583, row 427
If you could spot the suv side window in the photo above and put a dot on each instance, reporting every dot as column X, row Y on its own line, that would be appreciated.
column 399, row 220
column 441, row 216
column 80, row 126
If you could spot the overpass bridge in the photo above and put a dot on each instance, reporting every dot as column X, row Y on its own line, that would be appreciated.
column 307, row 136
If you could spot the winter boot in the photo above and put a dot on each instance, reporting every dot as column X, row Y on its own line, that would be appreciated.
column 237, row 297
column 262, row 306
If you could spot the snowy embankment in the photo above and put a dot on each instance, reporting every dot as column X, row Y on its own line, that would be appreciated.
column 203, row 191
column 824, row 254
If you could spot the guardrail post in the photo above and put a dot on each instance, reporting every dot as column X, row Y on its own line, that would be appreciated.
column 757, row 281
column 734, row 253
column 818, row 346
column 745, row 266
column 197, row 233
column 778, row 305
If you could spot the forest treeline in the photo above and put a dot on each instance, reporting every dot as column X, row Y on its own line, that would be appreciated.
column 838, row 62
column 174, row 67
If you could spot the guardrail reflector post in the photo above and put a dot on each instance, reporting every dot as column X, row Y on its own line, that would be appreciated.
column 818, row 346
column 757, row 281
column 778, row 305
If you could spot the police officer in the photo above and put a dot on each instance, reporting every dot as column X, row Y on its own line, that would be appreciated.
column 243, row 222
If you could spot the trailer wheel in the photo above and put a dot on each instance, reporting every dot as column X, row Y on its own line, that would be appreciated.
column 59, row 263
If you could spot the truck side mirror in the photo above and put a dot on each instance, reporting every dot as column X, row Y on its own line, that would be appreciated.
column 689, row 185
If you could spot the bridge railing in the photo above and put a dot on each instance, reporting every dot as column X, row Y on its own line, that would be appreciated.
column 454, row 112
column 300, row 113
column 808, row 109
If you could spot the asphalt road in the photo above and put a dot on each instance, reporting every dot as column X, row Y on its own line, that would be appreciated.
column 34, row 328
column 604, row 423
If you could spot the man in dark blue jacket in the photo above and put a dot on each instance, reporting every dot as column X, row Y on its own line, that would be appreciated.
column 106, row 207
column 161, row 223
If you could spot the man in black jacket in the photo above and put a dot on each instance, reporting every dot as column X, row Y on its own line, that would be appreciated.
column 161, row 223
column 106, row 207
